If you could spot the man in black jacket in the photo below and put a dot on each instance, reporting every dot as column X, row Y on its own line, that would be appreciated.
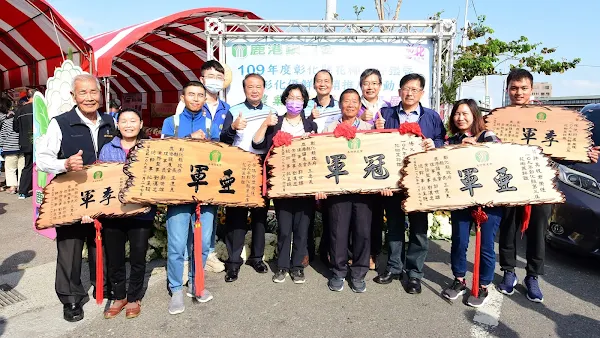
column 23, row 124
column 73, row 140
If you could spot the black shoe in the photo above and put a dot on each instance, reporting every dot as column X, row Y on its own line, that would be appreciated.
column 387, row 277
column 298, row 276
column 413, row 286
column 231, row 275
column 259, row 266
column 457, row 289
column 73, row 312
column 279, row 276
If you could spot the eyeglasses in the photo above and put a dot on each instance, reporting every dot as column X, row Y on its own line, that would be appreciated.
column 212, row 76
column 371, row 84
column 411, row 90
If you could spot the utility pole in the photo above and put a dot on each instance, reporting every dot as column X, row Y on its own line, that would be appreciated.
column 486, row 99
column 330, row 9
column 464, row 42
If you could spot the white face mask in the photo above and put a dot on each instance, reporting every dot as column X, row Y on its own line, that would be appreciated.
column 214, row 86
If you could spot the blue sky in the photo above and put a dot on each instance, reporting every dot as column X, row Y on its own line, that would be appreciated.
column 570, row 27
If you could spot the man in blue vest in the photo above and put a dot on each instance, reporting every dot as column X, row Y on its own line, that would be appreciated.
column 432, row 127
column 72, row 140
column 212, row 75
column 241, row 123
column 113, row 108
column 193, row 122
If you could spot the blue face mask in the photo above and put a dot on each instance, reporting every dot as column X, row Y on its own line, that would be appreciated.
column 214, row 86
column 294, row 107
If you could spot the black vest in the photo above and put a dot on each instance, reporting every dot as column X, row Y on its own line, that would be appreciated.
column 76, row 135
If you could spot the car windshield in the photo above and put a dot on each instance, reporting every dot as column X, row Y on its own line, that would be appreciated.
column 592, row 113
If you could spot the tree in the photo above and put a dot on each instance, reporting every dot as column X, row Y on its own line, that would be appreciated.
column 358, row 11
column 384, row 12
column 485, row 54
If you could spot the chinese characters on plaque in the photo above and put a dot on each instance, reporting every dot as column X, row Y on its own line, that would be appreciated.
column 457, row 177
column 562, row 133
column 178, row 171
column 323, row 163
column 91, row 192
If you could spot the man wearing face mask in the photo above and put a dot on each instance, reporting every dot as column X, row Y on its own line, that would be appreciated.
column 212, row 75
column 241, row 124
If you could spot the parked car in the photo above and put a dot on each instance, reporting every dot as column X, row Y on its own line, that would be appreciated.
column 575, row 224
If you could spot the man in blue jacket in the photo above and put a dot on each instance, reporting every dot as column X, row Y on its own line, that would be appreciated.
column 409, row 110
column 212, row 76
column 193, row 122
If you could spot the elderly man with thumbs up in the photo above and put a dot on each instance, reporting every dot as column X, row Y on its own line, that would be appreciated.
column 73, row 140
column 409, row 257
column 241, row 124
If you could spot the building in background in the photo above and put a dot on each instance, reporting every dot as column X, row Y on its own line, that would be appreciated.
column 571, row 102
column 542, row 90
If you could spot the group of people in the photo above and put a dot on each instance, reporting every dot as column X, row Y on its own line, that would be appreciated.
column 16, row 146
column 352, row 224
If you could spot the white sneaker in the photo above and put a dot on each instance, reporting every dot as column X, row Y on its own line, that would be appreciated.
column 205, row 298
column 213, row 263
column 176, row 305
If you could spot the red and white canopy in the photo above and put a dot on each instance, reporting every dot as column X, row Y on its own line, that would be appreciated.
column 157, row 57
column 34, row 40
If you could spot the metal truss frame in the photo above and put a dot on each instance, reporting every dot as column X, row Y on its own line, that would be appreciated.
column 441, row 32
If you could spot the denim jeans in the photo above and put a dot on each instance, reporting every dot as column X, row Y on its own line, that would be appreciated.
column 406, row 256
column 180, row 238
column 461, row 228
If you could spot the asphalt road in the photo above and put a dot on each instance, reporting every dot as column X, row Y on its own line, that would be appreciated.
column 254, row 306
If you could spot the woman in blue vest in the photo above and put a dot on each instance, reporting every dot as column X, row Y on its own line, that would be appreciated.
column 293, row 214
column 118, row 230
column 467, row 127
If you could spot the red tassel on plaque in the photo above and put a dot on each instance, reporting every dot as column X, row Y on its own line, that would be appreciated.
column 411, row 128
column 480, row 217
column 526, row 217
column 198, row 269
column 99, row 264
column 345, row 130
column 282, row 139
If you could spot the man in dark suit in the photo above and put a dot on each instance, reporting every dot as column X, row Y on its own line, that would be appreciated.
column 409, row 257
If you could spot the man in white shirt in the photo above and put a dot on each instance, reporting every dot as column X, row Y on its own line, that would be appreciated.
column 241, row 123
column 73, row 140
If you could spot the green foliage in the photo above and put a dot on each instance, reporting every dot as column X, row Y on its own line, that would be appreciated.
column 70, row 54
column 485, row 53
column 358, row 11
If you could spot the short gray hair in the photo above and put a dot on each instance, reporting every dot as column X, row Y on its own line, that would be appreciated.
column 84, row 77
